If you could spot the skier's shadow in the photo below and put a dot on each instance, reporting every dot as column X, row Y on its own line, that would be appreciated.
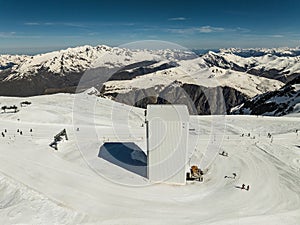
column 242, row 188
column 238, row 187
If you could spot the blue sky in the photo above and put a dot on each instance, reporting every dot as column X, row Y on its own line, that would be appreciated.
column 37, row 26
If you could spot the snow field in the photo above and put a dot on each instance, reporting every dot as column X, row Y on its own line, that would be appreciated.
column 39, row 185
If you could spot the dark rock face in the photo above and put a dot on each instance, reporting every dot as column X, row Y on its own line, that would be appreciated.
column 50, row 83
column 296, row 80
column 199, row 100
column 219, row 61
column 7, row 66
column 38, row 85
column 216, row 100
column 274, row 74
column 140, row 69
column 275, row 103
column 45, row 82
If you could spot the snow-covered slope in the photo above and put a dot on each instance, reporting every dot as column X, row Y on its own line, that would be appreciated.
column 61, row 71
column 277, row 103
column 282, row 68
column 263, row 51
column 190, row 81
column 82, row 58
column 250, row 85
column 9, row 61
column 39, row 185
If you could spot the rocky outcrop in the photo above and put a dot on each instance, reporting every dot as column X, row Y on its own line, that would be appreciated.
column 200, row 100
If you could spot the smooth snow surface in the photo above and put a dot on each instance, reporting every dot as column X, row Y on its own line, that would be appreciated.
column 39, row 185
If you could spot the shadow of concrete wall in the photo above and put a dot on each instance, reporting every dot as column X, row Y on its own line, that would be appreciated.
column 126, row 155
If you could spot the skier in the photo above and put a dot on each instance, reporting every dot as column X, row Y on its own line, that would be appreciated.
column 243, row 187
column 248, row 188
column 234, row 175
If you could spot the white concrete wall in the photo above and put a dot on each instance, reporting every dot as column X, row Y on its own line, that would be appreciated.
column 167, row 141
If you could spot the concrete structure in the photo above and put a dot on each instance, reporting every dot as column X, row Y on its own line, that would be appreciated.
column 167, row 143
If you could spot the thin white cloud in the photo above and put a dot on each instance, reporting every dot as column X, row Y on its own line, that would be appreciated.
column 177, row 19
column 78, row 24
column 7, row 34
column 192, row 30
column 49, row 24
column 181, row 31
column 37, row 24
column 54, row 24
column 276, row 36
column 265, row 36
column 209, row 29
column 205, row 30
column 32, row 24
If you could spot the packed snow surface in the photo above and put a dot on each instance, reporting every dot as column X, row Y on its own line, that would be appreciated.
column 39, row 185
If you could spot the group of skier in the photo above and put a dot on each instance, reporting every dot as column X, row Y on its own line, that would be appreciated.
column 18, row 131
column 234, row 175
column 245, row 188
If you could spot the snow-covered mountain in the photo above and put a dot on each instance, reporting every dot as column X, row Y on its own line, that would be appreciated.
column 191, row 81
column 10, row 61
column 282, row 68
column 80, row 59
column 275, row 103
column 255, row 52
column 141, row 76
column 61, row 71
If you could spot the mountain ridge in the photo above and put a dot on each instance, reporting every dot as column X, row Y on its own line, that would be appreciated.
column 120, row 71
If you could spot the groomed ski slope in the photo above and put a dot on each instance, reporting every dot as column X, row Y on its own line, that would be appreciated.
column 39, row 185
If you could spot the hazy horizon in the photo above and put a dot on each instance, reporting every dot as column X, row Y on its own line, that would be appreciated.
column 41, row 50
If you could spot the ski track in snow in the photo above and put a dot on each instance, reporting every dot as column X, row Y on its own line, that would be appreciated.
column 39, row 185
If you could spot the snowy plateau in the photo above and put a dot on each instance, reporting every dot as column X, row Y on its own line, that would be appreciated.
column 258, row 126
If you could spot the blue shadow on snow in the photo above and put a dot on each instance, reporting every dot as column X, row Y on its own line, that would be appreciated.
column 126, row 155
